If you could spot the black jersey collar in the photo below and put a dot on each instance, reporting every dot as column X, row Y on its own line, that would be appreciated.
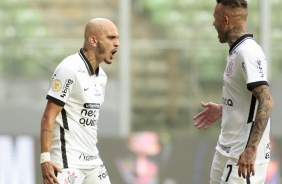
column 87, row 63
column 239, row 41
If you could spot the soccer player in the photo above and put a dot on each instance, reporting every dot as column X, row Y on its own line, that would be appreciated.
column 243, row 149
column 69, row 123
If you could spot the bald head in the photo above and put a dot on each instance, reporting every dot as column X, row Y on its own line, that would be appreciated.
column 96, row 26
column 101, row 40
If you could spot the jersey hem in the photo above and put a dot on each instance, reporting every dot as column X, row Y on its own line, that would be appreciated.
column 223, row 152
column 252, row 85
column 56, row 101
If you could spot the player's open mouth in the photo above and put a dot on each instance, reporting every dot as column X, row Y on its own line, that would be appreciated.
column 113, row 54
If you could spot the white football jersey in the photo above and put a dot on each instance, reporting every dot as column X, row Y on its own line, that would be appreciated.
column 80, row 91
column 246, row 68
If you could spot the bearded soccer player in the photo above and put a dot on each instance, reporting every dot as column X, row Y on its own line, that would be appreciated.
column 243, row 148
column 69, row 124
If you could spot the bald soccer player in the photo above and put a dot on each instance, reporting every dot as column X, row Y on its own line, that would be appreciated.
column 69, row 124
column 243, row 148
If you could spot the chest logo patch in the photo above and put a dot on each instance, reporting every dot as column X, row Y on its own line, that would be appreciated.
column 56, row 85
column 229, row 68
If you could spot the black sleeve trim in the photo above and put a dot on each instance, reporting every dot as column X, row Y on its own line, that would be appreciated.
column 251, row 86
column 56, row 101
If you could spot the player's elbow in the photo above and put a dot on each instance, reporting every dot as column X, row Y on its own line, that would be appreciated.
column 271, row 103
column 45, row 122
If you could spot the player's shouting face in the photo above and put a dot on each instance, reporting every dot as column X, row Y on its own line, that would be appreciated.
column 107, row 43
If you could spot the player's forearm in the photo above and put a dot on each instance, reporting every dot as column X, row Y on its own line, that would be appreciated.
column 46, row 134
column 262, row 116
column 220, row 110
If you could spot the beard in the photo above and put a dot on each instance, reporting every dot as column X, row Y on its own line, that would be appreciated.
column 101, row 50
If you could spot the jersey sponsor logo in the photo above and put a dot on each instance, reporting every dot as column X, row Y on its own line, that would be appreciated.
column 97, row 93
column 103, row 174
column 56, row 85
column 90, row 114
column 260, row 68
column 91, row 105
column 243, row 67
column 267, row 155
column 229, row 68
column 66, row 87
column 83, row 157
column 227, row 101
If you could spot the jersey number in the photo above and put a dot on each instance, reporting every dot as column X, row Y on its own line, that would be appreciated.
column 230, row 170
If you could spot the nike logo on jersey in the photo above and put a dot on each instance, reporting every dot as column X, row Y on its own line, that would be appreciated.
column 85, row 89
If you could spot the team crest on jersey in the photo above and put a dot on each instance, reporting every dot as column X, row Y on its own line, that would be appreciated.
column 56, row 85
column 229, row 68
column 71, row 178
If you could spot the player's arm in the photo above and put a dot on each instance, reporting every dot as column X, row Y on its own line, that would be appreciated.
column 265, row 103
column 208, row 116
column 47, row 129
column 47, row 125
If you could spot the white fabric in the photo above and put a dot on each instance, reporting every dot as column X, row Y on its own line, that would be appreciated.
column 224, row 171
column 245, row 68
column 81, row 93
column 97, row 175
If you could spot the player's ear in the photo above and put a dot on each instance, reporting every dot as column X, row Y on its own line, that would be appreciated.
column 92, row 40
column 226, row 20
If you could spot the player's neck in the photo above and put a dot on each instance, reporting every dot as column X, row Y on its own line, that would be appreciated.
column 91, row 58
column 94, row 64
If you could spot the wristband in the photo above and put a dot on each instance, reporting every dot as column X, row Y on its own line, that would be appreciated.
column 45, row 157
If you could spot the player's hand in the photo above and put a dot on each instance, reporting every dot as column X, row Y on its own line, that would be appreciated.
column 47, row 169
column 246, row 162
column 208, row 116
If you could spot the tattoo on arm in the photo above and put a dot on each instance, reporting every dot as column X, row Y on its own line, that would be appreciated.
column 263, row 96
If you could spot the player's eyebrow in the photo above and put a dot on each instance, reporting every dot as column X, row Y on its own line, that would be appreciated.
column 113, row 36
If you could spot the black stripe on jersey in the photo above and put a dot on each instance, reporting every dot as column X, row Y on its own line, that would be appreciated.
column 62, row 138
column 252, row 109
column 56, row 101
column 65, row 119
column 87, row 63
column 63, row 148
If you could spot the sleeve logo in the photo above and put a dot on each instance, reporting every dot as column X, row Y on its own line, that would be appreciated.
column 260, row 69
column 56, row 85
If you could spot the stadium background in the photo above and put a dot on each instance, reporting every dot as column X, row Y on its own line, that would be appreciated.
column 169, row 61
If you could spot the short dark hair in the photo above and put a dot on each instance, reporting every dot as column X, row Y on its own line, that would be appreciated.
column 233, row 3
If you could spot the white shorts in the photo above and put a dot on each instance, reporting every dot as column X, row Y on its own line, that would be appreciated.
column 97, row 175
column 224, row 170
